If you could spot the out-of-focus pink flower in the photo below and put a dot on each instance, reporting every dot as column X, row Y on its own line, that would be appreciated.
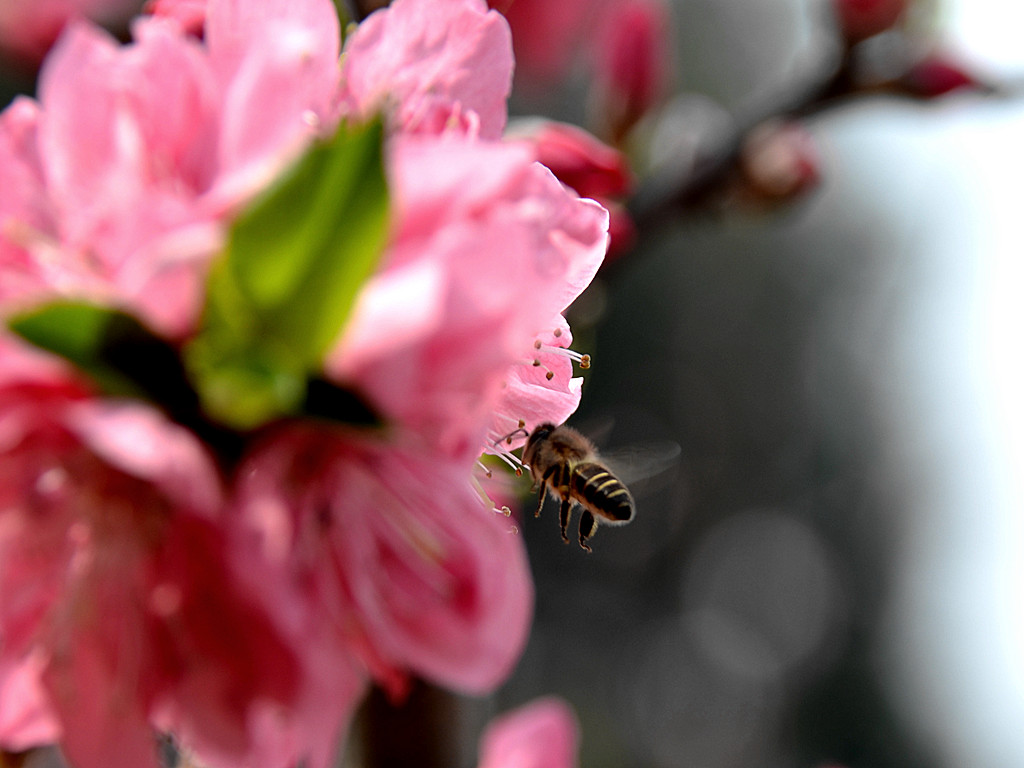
column 371, row 555
column 29, row 27
column 488, row 249
column 433, row 65
column 547, row 35
column 541, row 734
column 391, row 555
column 178, row 132
column 861, row 19
column 117, row 598
column 191, row 14
column 631, row 62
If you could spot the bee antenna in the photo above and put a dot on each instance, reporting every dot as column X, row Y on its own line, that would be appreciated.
column 509, row 437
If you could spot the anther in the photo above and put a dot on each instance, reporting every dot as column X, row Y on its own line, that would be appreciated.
column 583, row 360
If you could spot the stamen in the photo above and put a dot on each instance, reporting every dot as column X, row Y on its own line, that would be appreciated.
column 513, row 461
column 583, row 360
column 489, row 502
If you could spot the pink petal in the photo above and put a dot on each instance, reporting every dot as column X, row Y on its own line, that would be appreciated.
column 430, row 61
column 441, row 584
column 280, row 61
column 395, row 554
column 529, row 397
column 541, row 734
column 103, row 725
column 26, row 718
column 140, row 442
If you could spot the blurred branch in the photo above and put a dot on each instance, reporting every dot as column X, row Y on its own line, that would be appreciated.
column 418, row 731
column 697, row 184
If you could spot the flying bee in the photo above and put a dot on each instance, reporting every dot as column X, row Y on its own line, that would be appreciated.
column 565, row 463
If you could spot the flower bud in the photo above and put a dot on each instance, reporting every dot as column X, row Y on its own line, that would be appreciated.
column 631, row 62
column 861, row 19
column 591, row 168
column 937, row 75
column 582, row 161
column 779, row 161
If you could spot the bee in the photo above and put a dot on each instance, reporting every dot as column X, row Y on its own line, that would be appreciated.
column 564, row 462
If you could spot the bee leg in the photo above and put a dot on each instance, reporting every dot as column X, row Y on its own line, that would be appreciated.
column 588, row 527
column 563, row 517
column 543, row 496
column 544, row 489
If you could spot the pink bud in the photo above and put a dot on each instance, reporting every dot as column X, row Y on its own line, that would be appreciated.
column 582, row 161
column 631, row 61
column 779, row 161
column 593, row 169
column 938, row 74
column 861, row 19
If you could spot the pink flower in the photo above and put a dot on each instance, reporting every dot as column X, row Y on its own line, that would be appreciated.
column 547, row 35
column 432, row 65
column 541, row 734
column 622, row 45
column 391, row 556
column 256, row 620
column 488, row 248
column 176, row 131
column 117, row 602
column 28, row 29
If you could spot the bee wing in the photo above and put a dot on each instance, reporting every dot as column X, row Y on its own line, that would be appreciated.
column 645, row 467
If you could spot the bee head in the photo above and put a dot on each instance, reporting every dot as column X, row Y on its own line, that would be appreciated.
column 540, row 433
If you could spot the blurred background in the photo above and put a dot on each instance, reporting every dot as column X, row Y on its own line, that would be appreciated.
column 832, row 573
column 829, row 572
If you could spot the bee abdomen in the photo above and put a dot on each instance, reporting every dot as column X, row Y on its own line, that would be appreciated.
column 602, row 493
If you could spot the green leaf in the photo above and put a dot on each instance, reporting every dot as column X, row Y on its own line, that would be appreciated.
column 281, row 292
column 114, row 349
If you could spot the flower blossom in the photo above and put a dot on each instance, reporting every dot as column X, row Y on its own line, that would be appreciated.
column 339, row 556
column 28, row 29
column 482, row 263
column 118, row 602
column 442, row 240
column 176, row 131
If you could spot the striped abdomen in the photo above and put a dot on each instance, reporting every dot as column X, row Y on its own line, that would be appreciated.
column 601, row 492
